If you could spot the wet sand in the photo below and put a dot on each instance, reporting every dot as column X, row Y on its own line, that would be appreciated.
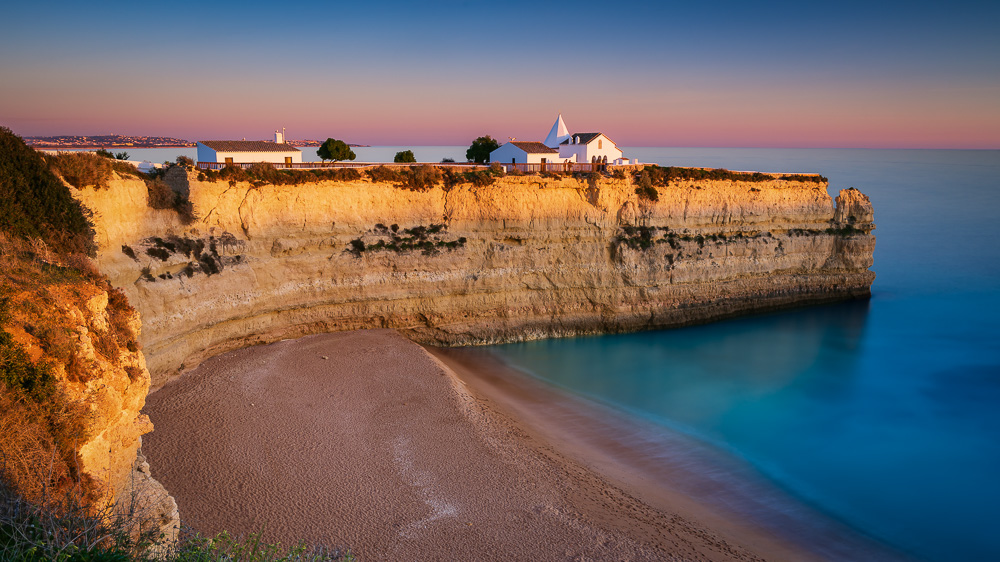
column 366, row 440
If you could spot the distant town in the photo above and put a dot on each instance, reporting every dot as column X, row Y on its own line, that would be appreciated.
column 129, row 141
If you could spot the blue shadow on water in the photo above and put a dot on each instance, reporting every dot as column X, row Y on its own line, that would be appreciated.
column 899, row 444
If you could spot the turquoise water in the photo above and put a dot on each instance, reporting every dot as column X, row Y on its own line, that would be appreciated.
column 884, row 414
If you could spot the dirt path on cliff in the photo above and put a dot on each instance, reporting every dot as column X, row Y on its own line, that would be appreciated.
column 364, row 439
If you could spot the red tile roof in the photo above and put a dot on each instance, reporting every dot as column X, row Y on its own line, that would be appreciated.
column 534, row 147
column 248, row 146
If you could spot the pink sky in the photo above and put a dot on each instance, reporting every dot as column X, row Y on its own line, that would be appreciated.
column 760, row 76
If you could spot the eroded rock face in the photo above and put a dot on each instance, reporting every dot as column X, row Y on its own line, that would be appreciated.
column 88, row 337
column 525, row 258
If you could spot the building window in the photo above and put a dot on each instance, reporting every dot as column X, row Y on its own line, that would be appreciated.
column 229, row 160
column 600, row 144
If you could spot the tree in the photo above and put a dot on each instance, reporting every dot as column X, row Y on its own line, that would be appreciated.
column 335, row 150
column 405, row 156
column 481, row 148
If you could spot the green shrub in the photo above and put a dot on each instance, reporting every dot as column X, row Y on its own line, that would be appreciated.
column 804, row 178
column 423, row 177
column 637, row 237
column 35, row 204
column 648, row 193
column 385, row 174
column 87, row 169
column 480, row 149
column 404, row 156
column 334, row 149
column 427, row 239
column 159, row 195
column 159, row 253
column 844, row 231
column 663, row 175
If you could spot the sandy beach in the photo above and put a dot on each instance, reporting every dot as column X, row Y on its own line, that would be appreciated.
column 367, row 440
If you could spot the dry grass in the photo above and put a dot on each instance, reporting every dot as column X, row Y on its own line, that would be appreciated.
column 28, row 460
column 87, row 169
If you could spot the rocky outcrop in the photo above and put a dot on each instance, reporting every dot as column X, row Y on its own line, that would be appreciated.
column 86, row 335
column 526, row 257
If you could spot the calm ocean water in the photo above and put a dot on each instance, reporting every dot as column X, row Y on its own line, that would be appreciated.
column 884, row 414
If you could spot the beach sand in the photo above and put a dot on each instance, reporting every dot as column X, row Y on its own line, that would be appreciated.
column 365, row 439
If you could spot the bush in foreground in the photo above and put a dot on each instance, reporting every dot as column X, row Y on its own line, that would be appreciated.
column 66, row 530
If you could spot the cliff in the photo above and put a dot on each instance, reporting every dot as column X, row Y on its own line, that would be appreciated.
column 76, row 381
column 526, row 257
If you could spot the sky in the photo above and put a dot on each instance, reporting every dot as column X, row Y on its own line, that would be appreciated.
column 878, row 74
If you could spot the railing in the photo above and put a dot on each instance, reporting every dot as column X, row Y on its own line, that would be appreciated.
column 324, row 165
column 559, row 167
column 554, row 167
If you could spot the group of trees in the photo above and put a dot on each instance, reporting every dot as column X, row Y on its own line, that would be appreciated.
column 478, row 152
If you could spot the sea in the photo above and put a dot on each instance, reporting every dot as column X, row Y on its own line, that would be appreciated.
column 883, row 414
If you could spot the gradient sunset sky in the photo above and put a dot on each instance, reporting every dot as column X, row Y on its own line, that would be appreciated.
column 709, row 73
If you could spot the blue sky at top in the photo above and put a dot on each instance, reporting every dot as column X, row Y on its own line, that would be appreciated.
column 392, row 70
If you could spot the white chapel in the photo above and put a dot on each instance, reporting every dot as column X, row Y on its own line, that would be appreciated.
column 561, row 146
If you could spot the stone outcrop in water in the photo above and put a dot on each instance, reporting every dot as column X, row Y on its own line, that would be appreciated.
column 526, row 257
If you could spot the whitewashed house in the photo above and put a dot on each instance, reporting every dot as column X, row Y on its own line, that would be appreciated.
column 589, row 147
column 517, row 152
column 248, row 152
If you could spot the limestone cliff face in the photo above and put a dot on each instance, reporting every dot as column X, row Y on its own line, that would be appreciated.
column 526, row 257
column 87, row 336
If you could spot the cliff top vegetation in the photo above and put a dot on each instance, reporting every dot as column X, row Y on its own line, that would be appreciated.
column 654, row 175
column 417, row 177
column 35, row 204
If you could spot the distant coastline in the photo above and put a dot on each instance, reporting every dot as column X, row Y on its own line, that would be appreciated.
column 99, row 146
column 86, row 142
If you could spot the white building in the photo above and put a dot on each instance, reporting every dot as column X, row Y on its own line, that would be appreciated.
column 558, row 133
column 589, row 147
column 248, row 152
column 516, row 152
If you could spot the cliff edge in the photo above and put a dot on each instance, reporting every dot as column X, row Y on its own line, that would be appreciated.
column 522, row 258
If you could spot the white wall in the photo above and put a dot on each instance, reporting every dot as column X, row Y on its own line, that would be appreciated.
column 206, row 154
column 584, row 152
column 508, row 152
column 250, row 157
